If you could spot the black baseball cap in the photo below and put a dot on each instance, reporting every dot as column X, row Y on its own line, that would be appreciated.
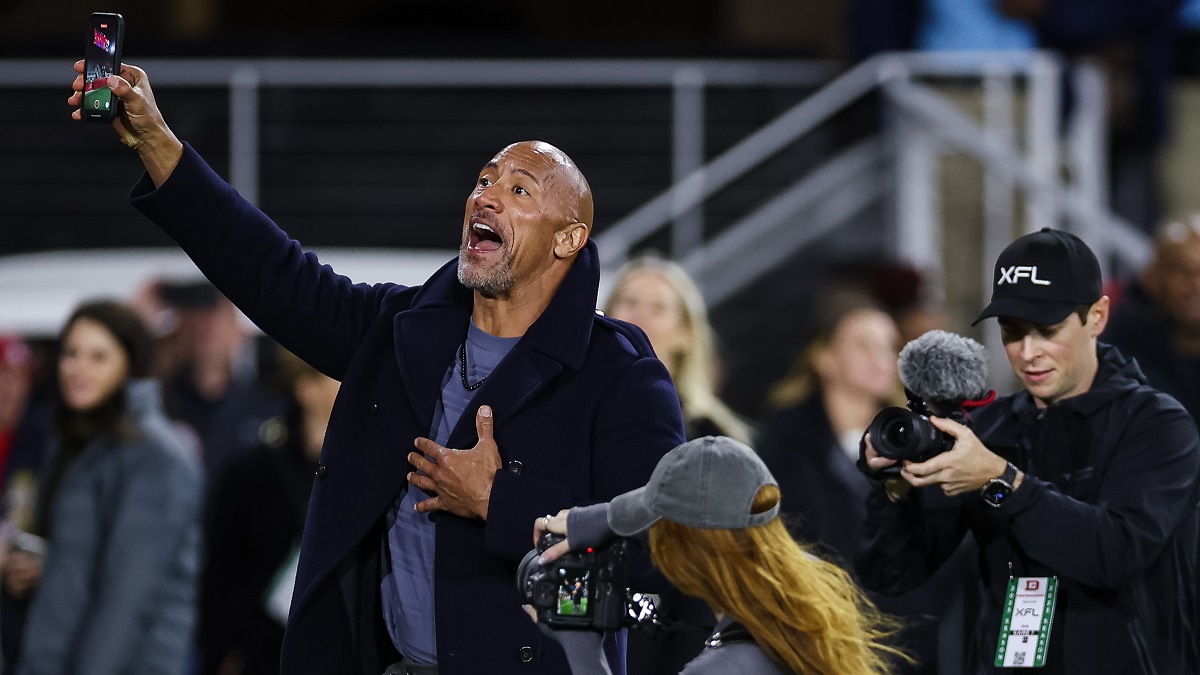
column 1042, row 277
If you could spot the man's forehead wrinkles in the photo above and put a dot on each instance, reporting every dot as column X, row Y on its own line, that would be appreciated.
column 527, row 173
column 553, row 168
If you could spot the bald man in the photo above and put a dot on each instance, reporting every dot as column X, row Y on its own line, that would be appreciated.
column 1157, row 320
column 470, row 405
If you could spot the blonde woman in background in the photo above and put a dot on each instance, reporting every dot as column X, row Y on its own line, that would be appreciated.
column 659, row 297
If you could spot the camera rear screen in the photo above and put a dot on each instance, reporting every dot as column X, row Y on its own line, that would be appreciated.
column 101, row 59
column 573, row 595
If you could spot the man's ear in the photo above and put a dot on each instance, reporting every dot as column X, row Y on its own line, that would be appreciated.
column 1098, row 316
column 569, row 240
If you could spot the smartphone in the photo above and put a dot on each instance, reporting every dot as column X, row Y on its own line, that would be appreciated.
column 102, row 57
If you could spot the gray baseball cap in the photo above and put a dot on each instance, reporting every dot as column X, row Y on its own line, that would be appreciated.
column 708, row 483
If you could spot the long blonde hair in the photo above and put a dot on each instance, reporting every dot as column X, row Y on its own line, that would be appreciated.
column 692, row 368
column 804, row 612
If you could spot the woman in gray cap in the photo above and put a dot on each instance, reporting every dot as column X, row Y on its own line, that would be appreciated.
column 710, row 512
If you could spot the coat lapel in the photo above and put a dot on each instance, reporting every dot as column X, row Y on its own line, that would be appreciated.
column 427, row 337
column 521, row 375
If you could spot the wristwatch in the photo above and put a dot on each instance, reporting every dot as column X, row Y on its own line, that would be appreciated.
column 997, row 490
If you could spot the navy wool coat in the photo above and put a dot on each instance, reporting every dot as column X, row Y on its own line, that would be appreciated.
column 583, row 411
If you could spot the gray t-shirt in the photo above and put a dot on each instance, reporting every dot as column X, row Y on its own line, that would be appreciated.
column 407, row 589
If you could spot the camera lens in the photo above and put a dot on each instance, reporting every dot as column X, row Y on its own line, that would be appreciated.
column 899, row 433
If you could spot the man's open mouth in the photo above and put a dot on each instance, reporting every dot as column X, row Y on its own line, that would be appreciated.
column 483, row 237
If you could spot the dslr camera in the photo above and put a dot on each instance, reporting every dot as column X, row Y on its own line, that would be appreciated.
column 907, row 434
column 583, row 589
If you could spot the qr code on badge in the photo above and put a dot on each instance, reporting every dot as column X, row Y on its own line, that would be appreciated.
column 1018, row 658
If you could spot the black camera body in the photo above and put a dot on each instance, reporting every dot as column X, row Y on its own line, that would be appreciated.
column 583, row 589
column 906, row 434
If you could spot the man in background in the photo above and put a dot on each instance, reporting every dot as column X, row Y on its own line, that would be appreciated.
column 1157, row 320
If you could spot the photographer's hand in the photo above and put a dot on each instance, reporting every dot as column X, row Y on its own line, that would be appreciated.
column 140, row 124
column 461, row 479
column 966, row 467
column 874, row 461
column 896, row 488
column 558, row 525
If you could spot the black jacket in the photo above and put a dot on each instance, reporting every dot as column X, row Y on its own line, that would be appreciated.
column 1109, row 505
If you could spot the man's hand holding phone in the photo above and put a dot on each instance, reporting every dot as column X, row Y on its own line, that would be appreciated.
column 139, row 125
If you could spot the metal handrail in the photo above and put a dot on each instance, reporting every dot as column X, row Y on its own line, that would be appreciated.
column 838, row 181
column 794, row 123
column 730, row 165
column 950, row 125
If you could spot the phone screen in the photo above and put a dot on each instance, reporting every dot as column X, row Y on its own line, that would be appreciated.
column 101, row 61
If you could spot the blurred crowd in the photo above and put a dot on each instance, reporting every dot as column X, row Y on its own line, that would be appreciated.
column 157, row 458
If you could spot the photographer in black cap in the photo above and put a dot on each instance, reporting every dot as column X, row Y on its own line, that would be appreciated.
column 1080, row 490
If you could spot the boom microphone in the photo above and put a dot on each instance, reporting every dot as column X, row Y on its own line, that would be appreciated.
column 944, row 367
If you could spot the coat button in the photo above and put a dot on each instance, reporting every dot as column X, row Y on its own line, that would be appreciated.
column 322, row 470
column 525, row 654
column 514, row 467
column 374, row 408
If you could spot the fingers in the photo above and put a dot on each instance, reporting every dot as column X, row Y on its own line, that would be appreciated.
column 878, row 462
column 919, row 480
column 422, row 463
column 432, row 504
column 555, row 552
column 79, row 66
column 930, row 472
column 530, row 612
column 131, row 79
column 949, row 426
column 428, row 448
column 556, row 523
column 874, row 460
column 425, row 483
column 483, row 423
column 121, row 87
